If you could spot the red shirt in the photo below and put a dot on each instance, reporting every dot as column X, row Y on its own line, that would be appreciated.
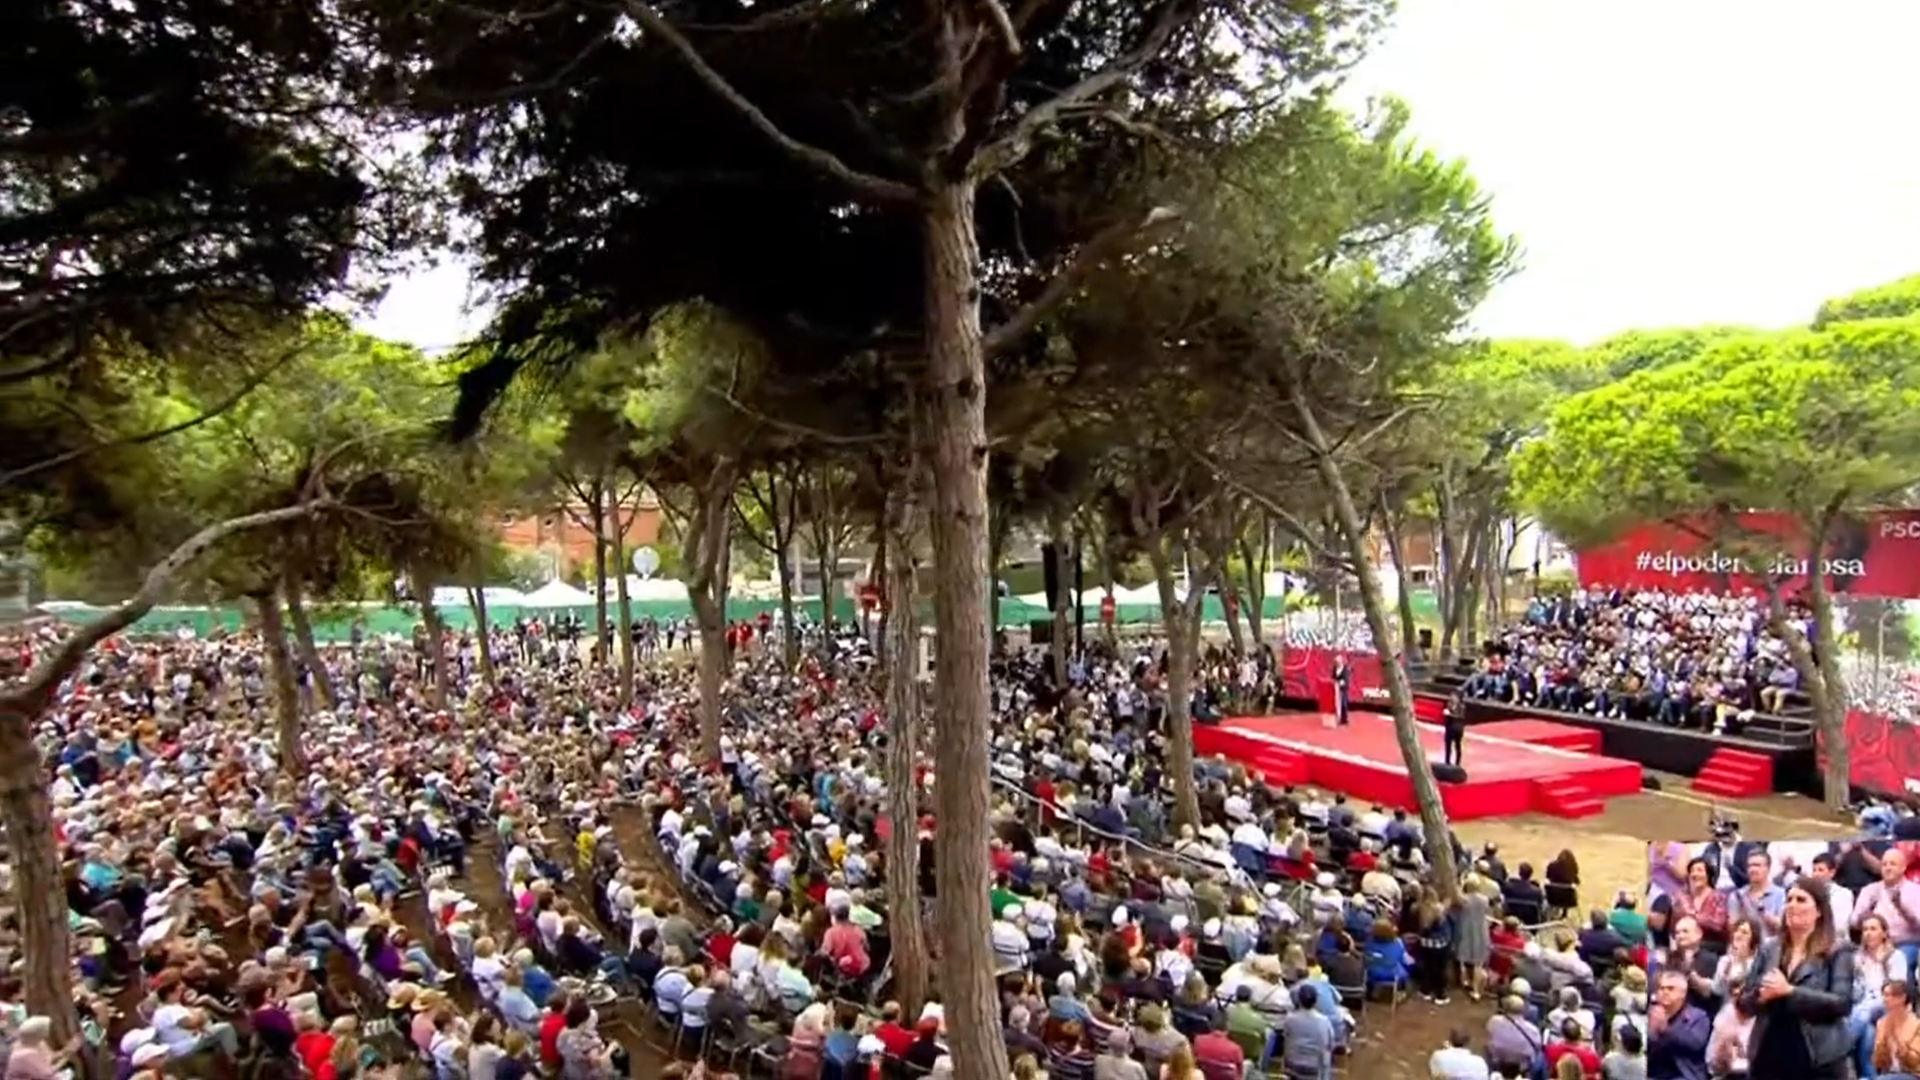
column 1589, row 1061
column 1002, row 860
column 720, row 949
column 895, row 1038
column 312, row 1048
column 1218, row 1056
column 551, row 1025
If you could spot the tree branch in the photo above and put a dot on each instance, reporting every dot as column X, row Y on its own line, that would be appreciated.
column 1003, row 26
column 39, row 686
column 1090, row 255
column 1010, row 148
column 217, row 409
column 815, row 158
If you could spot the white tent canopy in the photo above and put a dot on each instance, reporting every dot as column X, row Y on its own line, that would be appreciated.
column 556, row 594
column 447, row 596
column 1088, row 598
column 645, row 590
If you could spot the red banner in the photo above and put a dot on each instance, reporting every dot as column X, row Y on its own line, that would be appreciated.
column 1874, row 555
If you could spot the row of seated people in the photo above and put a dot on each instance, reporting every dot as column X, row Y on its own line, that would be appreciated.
column 1685, row 660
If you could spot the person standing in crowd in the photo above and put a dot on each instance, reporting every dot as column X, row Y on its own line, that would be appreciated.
column 1800, row 992
column 1677, row 1033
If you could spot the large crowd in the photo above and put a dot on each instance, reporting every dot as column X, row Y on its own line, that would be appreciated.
column 332, row 920
column 1700, row 660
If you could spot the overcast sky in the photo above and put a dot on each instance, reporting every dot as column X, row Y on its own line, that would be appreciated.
column 1663, row 163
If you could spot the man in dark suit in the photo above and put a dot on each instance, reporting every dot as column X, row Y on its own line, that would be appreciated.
column 1453, row 731
column 1342, row 677
column 1727, row 856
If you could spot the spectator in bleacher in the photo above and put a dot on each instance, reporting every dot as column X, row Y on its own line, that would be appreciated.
column 1691, row 659
column 1896, row 1038
column 1895, row 898
column 1875, row 964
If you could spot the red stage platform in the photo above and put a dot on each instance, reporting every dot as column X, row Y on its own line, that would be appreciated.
column 1362, row 761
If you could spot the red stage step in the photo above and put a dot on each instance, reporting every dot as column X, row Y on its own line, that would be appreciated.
column 1563, row 796
column 1735, row 774
column 1280, row 766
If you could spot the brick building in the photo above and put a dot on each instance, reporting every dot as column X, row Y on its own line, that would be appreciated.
column 556, row 535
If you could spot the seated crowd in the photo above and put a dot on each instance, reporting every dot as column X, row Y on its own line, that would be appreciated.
column 1698, row 660
column 1258, row 941
column 330, row 920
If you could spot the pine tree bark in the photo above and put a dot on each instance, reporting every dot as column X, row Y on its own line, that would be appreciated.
column 900, row 647
column 956, row 438
column 436, row 646
column 1442, row 872
column 704, row 557
column 303, row 640
column 482, row 631
column 624, row 632
column 39, row 891
column 286, row 692
column 1181, row 619
column 597, row 514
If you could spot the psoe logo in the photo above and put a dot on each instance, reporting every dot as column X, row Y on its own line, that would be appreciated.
column 1900, row 529
column 1374, row 693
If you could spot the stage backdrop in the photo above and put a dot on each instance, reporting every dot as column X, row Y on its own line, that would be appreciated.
column 1876, row 554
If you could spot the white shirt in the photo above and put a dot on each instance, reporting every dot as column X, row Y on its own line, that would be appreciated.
column 1457, row 1063
column 168, row 1021
column 1841, row 898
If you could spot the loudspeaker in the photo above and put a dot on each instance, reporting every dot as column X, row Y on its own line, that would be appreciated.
column 1040, row 632
column 1425, row 637
column 1050, row 573
column 1449, row 774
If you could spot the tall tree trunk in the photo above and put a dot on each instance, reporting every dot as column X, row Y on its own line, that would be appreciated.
column 789, row 617
column 436, row 647
column 997, row 527
column 598, row 516
column 1442, row 872
column 625, row 633
column 1063, row 595
column 1230, row 605
column 1181, row 618
column 1817, row 662
column 1390, row 526
column 482, row 631
column 1831, row 718
column 309, row 648
column 704, row 557
column 1109, row 628
column 1256, row 582
column 957, row 440
column 39, row 889
column 900, row 649
column 286, row 690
